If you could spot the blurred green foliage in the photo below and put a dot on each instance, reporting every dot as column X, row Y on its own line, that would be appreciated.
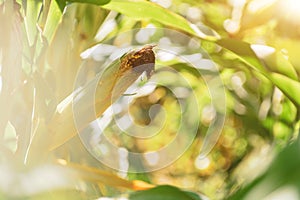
column 256, row 51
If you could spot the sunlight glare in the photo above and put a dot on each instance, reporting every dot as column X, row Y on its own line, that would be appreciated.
column 152, row 158
column 202, row 163
column 257, row 5
column 289, row 9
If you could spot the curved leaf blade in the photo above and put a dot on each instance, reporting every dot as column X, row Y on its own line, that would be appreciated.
column 284, row 80
column 105, row 88
column 243, row 51
column 54, row 18
column 275, row 61
column 96, row 2
column 145, row 9
column 33, row 8
column 164, row 192
column 288, row 86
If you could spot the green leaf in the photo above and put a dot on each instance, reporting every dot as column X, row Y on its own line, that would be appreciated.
column 275, row 61
column 289, row 86
column 278, row 63
column 145, row 9
column 96, row 2
column 33, row 9
column 10, row 137
column 90, row 18
column 54, row 18
column 289, row 112
column 243, row 51
column 164, row 192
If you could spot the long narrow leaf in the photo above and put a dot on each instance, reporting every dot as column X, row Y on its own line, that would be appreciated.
column 53, row 19
column 146, row 9
column 288, row 86
column 96, row 2
column 285, row 80
column 243, row 51
column 96, row 96
column 33, row 9
column 99, row 176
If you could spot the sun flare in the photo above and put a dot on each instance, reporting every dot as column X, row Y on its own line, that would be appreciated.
column 290, row 10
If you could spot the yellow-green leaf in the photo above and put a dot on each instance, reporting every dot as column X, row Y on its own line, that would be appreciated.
column 288, row 86
column 145, row 9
